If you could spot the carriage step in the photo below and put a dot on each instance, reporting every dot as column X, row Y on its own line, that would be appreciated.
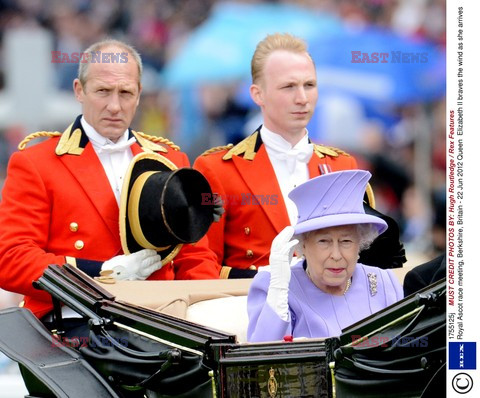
column 46, row 367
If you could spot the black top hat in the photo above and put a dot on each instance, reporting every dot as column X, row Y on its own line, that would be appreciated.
column 161, row 206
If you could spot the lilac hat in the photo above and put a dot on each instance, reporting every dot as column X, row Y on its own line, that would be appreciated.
column 333, row 199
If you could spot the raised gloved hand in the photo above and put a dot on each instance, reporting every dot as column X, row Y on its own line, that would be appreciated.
column 281, row 254
column 218, row 209
column 135, row 266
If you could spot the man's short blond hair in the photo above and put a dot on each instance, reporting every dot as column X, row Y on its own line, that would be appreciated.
column 271, row 43
column 101, row 45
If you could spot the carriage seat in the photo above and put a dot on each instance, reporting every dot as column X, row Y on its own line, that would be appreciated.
column 220, row 304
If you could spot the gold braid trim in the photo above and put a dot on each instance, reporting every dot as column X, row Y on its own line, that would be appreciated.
column 339, row 151
column 158, row 139
column 245, row 147
column 217, row 149
column 321, row 151
column 225, row 272
column 370, row 196
column 30, row 137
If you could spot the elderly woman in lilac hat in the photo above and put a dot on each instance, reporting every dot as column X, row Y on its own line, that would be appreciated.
column 325, row 290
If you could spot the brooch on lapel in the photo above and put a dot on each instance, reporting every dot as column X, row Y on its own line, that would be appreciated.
column 372, row 280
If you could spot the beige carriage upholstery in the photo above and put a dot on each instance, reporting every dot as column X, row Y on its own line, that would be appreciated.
column 220, row 304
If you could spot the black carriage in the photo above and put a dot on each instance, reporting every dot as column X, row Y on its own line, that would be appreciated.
column 136, row 351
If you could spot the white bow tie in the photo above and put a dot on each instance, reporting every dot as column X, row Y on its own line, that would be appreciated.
column 294, row 155
column 111, row 148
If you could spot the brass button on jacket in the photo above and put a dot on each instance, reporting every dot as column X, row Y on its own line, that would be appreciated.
column 73, row 227
column 79, row 244
column 249, row 253
column 247, row 230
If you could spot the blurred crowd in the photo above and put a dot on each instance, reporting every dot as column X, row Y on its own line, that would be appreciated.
column 406, row 155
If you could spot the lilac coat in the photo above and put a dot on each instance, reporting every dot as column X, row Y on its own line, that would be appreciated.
column 314, row 313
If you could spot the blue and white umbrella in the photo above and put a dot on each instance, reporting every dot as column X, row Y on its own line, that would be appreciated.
column 377, row 66
column 220, row 50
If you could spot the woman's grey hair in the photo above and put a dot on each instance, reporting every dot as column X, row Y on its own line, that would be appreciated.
column 367, row 233
column 108, row 43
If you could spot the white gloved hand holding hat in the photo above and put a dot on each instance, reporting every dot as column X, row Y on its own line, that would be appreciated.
column 133, row 267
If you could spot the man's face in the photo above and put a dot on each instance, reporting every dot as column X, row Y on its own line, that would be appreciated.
column 110, row 96
column 286, row 92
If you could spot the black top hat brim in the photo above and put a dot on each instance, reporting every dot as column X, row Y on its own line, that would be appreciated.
column 387, row 250
column 160, row 206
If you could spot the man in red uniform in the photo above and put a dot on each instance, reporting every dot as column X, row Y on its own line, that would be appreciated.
column 61, row 197
column 254, row 177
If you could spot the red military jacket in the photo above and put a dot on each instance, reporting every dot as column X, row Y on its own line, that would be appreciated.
column 57, row 206
column 255, row 211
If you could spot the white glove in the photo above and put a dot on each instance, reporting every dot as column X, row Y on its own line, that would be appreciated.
column 135, row 266
column 281, row 254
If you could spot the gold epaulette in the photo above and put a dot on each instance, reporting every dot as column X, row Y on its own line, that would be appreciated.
column 245, row 147
column 322, row 150
column 160, row 140
column 217, row 149
column 30, row 137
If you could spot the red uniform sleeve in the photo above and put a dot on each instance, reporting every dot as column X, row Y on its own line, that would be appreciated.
column 24, row 229
column 196, row 261
column 216, row 232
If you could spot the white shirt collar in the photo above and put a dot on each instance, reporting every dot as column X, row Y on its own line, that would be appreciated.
column 277, row 143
